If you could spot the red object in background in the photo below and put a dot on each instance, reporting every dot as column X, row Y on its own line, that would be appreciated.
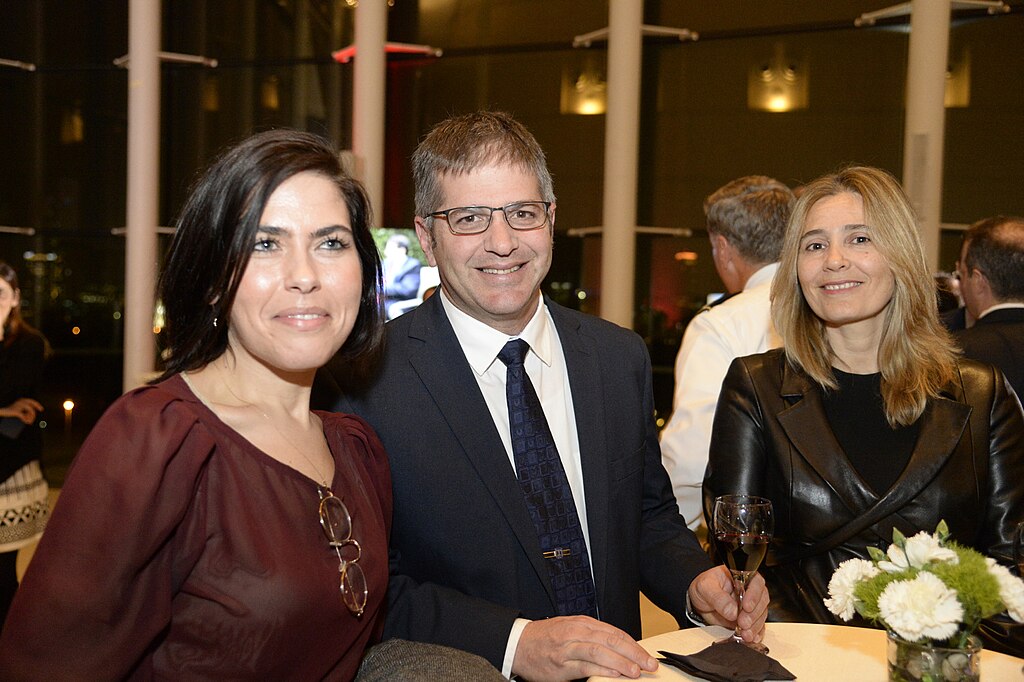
column 345, row 54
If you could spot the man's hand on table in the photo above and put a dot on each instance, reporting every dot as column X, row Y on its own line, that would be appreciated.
column 713, row 597
column 571, row 647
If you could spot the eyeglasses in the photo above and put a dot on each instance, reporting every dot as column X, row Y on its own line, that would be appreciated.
column 337, row 525
column 520, row 215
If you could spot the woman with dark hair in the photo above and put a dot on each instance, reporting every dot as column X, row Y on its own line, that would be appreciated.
column 212, row 526
column 23, row 501
column 867, row 419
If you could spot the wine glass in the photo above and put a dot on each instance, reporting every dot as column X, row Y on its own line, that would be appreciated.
column 1018, row 548
column 743, row 527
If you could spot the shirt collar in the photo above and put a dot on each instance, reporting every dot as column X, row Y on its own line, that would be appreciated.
column 482, row 343
column 762, row 276
column 1001, row 306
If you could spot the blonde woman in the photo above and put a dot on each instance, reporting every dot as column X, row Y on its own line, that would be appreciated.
column 867, row 419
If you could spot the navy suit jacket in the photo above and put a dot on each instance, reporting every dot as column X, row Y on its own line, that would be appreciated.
column 465, row 557
column 998, row 339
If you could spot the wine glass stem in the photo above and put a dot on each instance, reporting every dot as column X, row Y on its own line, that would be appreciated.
column 740, row 581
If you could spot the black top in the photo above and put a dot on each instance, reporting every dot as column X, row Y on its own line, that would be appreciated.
column 856, row 413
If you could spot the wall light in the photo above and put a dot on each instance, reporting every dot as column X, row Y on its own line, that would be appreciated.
column 779, row 84
column 269, row 95
column 958, row 83
column 72, row 125
column 584, row 89
column 211, row 94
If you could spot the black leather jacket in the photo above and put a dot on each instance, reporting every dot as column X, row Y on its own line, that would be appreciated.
column 771, row 437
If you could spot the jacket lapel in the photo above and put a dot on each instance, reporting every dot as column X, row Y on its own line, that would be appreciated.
column 941, row 427
column 447, row 377
column 581, row 361
column 802, row 422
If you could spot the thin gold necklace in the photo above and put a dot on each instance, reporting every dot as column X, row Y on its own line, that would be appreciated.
column 256, row 407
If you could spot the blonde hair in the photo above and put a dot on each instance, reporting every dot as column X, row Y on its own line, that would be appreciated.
column 916, row 355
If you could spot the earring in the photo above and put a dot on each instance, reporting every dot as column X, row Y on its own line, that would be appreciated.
column 215, row 322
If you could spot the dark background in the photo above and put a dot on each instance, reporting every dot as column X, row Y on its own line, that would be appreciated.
column 63, row 138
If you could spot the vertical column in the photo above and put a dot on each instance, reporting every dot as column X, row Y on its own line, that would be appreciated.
column 248, row 76
column 334, row 79
column 926, row 117
column 301, row 76
column 368, row 88
column 38, row 162
column 621, row 147
column 198, row 136
column 143, row 189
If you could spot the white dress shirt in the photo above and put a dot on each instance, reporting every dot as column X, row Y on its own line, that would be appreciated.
column 545, row 365
column 738, row 326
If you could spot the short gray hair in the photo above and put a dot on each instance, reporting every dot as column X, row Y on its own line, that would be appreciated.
column 462, row 144
column 751, row 213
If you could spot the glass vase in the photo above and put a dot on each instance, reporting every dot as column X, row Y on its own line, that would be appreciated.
column 911, row 662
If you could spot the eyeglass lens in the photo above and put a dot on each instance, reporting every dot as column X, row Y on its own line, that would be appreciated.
column 353, row 587
column 335, row 519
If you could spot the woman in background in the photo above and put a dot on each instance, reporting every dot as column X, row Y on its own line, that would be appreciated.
column 867, row 419
column 212, row 526
column 23, row 502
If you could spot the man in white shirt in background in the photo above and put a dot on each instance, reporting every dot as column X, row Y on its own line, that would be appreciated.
column 746, row 220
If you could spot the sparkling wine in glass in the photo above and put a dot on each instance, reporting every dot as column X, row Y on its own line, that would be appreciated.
column 743, row 527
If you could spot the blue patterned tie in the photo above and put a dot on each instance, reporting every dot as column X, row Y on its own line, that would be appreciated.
column 546, row 490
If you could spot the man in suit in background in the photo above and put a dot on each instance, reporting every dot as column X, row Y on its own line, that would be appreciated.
column 991, row 270
column 500, row 563
column 746, row 219
column 401, row 275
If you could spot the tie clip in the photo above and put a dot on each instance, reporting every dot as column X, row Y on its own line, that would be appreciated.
column 559, row 553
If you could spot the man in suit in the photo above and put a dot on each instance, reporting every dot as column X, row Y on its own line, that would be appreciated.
column 746, row 219
column 991, row 270
column 401, row 275
column 473, row 565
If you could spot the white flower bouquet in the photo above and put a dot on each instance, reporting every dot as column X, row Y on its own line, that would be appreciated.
column 926, row 589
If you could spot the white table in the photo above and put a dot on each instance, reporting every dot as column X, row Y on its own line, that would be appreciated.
column 813, row 653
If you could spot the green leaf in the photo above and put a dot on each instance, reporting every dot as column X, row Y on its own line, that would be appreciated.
column 898, row 538
column 877, row 554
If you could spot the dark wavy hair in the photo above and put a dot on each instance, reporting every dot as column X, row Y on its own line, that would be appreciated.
column 15, row 325
column 216, row 232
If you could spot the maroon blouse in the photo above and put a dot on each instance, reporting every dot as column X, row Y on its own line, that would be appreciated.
column 178, row 550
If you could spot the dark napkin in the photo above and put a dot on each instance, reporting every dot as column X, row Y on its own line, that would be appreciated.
column 728, row 662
